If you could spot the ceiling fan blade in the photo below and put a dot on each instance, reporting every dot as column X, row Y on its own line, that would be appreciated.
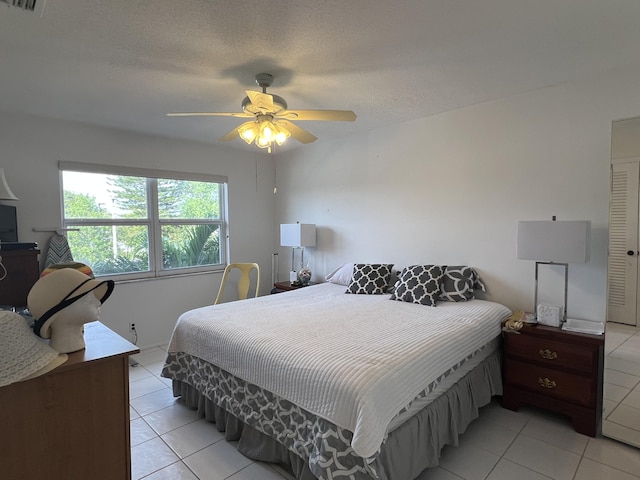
column 232, row 134
column 322, row 115
column 298, row 133
column 210, row 114
column 262, row 101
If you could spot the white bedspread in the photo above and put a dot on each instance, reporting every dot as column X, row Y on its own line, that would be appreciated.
column 355, row 360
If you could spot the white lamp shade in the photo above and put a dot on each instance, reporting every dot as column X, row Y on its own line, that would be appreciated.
column 5, row 191
column 554, row 241
column 297, row 235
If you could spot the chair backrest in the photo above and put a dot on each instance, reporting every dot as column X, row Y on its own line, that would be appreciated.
column 245, row 280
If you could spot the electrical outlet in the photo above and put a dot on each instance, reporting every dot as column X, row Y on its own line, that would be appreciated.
column 132, row 327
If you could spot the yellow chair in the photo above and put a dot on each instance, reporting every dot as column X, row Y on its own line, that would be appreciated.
column 245, row 280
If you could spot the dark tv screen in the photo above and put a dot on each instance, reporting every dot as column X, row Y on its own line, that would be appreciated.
column 8, row 224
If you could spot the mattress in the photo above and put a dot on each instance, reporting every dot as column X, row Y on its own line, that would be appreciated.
column 353, row 361
column 445, row 381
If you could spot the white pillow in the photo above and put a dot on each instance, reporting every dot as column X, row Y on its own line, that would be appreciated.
column 341, row 275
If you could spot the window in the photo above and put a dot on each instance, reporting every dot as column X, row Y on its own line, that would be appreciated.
column 141, row 223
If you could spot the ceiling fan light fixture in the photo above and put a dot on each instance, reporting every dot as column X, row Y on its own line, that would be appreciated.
column 264, row 132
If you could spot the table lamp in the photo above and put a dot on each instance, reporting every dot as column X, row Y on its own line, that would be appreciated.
column 5, row 191
column 554, row 243
column 298, row 236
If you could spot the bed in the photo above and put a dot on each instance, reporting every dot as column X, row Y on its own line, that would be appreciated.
column 330, row 385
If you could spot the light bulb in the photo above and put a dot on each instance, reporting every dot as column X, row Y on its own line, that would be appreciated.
column 267, row 133
column 262, row 142
column 248, row 135
column 248, row 131
column 282, row 135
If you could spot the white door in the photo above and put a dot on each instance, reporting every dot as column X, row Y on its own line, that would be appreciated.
column 623, row 243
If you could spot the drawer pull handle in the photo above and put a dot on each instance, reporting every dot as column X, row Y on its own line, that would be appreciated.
column 548, row 354
column 546, row 383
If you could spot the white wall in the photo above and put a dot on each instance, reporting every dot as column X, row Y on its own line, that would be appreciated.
column 31, row 149
column 445, row 189
column 450, row 189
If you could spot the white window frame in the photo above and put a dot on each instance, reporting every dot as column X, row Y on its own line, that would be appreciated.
column 153, row 221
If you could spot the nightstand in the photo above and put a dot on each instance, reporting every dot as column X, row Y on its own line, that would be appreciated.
column 557, row 370
column 280, row 287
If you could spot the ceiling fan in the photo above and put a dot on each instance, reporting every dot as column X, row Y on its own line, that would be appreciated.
column 271, row 120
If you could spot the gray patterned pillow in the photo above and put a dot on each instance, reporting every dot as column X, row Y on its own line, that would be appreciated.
column 459, row 283
column 370, row 278
column 419, row 284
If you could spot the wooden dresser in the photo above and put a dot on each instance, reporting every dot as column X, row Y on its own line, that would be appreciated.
column 73, row 422
column 557, row 370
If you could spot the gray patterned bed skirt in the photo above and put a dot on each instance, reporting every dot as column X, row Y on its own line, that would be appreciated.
column 406, row 452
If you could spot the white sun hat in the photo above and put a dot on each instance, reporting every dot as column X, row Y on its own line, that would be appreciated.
column 22, row 354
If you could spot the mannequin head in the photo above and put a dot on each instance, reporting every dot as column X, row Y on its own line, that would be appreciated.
column 67, row 325
column 62, row 302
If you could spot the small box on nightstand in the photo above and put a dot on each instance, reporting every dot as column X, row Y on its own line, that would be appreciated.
column 549, row 315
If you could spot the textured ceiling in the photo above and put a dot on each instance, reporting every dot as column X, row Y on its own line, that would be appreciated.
column 126, row 64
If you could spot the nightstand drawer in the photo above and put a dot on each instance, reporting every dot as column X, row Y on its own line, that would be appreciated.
column 552, row 353
column 562, row 385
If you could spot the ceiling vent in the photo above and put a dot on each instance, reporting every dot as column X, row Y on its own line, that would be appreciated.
column 35, row 6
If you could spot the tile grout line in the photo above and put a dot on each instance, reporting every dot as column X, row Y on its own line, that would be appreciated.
column 502, row 456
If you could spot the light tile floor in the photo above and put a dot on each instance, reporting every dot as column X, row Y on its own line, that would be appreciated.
column 621, row 419
column 170, row 442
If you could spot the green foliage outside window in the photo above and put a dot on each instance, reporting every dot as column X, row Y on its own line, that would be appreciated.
column 114, row 233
